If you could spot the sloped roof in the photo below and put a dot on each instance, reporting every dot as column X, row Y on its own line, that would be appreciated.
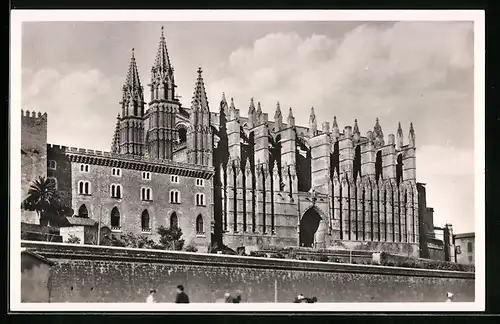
column 80, row 221
column 36, row 255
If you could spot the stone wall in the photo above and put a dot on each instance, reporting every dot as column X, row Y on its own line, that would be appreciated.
column 104, row 274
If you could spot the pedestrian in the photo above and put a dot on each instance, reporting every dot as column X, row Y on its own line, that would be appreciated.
column 299, row 299
column 228, row 298
column 449, row 297
column 237, row 300
column 151, row 298
column 182, row 297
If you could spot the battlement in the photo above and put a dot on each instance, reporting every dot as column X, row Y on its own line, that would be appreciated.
column 126, row 158
column 32, row 117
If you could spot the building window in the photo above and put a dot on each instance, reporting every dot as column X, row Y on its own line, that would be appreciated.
column 116, row 172
column 469, row 247
column 84, row 187
column 116, row 191
column 200, row 182
column 199, row 225
column 174, row 221
column 146, row 194
column 470, row 258
column 175, row 197
column 146, row 175
column 200, row 199
column 115, row 220
column 146, row 227
column 83, row 212
column 84, row 168
column 174, row 179
column 54, row 181
column 52, row 165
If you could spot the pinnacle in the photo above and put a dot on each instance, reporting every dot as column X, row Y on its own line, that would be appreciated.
column 356, row 128
column 400, row 130
column 251, row 109
column 200, row 95
column 290, row 113
column 223, row 97
column 335, row 122
column 232, row 102
column 162, row 61
column 133, row 82
column 412, row 131
column 277, row 114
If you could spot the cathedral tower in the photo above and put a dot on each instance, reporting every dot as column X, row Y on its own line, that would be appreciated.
column 199, row 137
column 129, row 133
column 164, row 105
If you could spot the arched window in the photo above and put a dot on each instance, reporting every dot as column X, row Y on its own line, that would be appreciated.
column 378, row 166
column 399, row 169
column 182, row 135
column 175, row 197
column 83, row 212
column 199, row 225
column 146, row 194
column 146, row 227
column 115, row 219
column 84, row 187
column 80, row 187
column 200, row 199
column 357, row 162
column 174, row 221
column 87, row 188
column 52, row 165
column 116, row 191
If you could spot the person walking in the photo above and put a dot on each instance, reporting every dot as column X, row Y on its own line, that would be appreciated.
column 151, row 298
column 449, row 297
column 182, row 297
column 228, row 298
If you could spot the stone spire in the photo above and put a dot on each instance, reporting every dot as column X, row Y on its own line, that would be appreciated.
column 232, row 109
column 223, row 104
column 115, row 145
column 355, row 132
column 162, row 74
column 399, row 137
column 278, row 118
column 313, row 125
column 335, row 128
column 251, row 115
column 378, row 133
column 411, row 136
column 132, row 83
column 258, row 114
column 200, row 101
column 133, row 94
column 291, row 119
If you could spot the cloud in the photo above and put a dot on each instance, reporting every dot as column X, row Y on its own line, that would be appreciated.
column 435, row 160
column 79, row 103
column 401, row 71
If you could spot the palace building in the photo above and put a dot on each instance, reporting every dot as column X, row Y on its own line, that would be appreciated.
column 242, row 181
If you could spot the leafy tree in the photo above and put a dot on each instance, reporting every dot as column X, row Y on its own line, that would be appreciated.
column 191, row 248
column 170, row 238
column 73, row 239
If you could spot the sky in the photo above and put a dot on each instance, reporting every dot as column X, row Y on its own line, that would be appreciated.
column 420, row 72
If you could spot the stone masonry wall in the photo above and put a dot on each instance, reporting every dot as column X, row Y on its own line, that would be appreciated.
column 103, row 274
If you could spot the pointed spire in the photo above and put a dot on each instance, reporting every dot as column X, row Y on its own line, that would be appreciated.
column 335, row 125
column 278, row 118
column 224, row 97
column 412, row 131
column 313, row 125
column 356, row 127
column 133, row 83
column 251, row 115
column 400, row 130
column 378, row 134
column 411, row 136
column 258, row 114
column 115, row 146
column 251, row 108
column 291, row 119
column 223, row 105
column 162, row 66
column 200, row 100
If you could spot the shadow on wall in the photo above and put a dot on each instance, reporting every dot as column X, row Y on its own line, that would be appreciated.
column 35, row 276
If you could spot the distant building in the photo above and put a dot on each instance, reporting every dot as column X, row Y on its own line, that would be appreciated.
column 465, row 248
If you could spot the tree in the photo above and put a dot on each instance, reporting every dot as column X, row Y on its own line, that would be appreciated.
column 42, row 197
column 191, row 248
column 170, row 238
column 73, row 239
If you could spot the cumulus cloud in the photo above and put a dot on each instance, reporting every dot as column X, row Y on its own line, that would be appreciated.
column 400, row 72
column 79, row 103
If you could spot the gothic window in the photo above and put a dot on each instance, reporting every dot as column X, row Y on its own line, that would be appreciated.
column 174, row 179
column 174, row 221
column 175, row 196
column 84, row 168
column 146, row 175
column 199, row 225
column 145, row 225
column 399, row 169
column 200, row 182
column 116, row 191
column 115, row 219
column 357, row 162
column 378, row 166
column 83, row 212
column 84, row 187
column 146, row 194
column 469, row 247
column 182, row 135
column 52, row 165
column 200, row 199
column 116, row 172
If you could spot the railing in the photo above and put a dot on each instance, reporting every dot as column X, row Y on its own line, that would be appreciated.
column 146, row 230
column 116, row 229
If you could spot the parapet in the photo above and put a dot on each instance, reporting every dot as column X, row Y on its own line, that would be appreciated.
column 32, row 117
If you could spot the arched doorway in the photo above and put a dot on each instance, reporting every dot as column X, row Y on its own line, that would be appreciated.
column 83, row 212
column 174, row 221
column 308, row 226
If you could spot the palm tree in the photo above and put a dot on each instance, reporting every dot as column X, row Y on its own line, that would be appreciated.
column 42, row 197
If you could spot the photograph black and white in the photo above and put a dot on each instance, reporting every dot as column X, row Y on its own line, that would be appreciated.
column 198, row 158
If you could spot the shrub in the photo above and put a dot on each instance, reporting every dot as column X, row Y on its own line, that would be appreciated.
column 73, row 239
column 191, row 248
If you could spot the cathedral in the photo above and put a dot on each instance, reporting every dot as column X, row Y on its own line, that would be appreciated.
column 245, row 181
